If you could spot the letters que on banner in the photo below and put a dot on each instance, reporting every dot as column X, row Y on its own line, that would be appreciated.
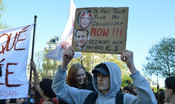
column 14, row 44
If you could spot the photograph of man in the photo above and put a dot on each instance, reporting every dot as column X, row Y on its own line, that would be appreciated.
column 84, row 19
column 81, row 38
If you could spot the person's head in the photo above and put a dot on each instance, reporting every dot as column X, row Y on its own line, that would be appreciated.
column 76, row 76
column 85, row 18
column 45, row 86
column 170, row 89
column 127, row 89
column 160, row 90
column 107, row 78
column 161, row 98
column 81, row 37
column 133, row 89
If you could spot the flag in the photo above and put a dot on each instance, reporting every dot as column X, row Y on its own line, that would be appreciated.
column 14, row 46
column 66, row 38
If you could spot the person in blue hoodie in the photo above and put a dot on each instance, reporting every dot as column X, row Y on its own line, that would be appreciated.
column 106, row 81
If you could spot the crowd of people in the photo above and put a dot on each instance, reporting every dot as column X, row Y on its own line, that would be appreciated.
column 77, row 86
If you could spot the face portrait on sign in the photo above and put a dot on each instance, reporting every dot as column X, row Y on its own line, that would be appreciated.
column 106, row 26
column 81, row 38
column 85, row 18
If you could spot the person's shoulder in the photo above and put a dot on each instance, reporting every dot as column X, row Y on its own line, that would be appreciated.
column 129, row 98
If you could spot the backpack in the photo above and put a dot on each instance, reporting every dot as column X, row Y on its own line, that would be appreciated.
column 91, row 98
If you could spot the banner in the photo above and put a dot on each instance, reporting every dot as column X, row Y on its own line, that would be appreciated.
column 14, row 46
column 66, row 38
column 100, row 29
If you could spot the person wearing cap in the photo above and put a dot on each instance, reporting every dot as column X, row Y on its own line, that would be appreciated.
column 106, row 81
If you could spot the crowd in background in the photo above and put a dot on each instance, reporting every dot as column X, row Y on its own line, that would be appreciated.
column 41, row 92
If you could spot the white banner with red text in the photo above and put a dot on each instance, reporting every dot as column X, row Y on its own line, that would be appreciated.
column 14, row 46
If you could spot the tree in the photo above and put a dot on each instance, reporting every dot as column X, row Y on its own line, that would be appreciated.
column 49, row 66
column 2, row 9
column 161, row 61
column 90, row 60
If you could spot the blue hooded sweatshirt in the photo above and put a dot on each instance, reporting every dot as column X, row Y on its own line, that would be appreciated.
column 73, row 95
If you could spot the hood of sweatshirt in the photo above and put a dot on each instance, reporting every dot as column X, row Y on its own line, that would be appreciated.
column 115, row 79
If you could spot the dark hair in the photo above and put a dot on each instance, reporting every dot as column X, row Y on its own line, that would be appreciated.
column 161, row 98
column 128, row 89
column 170, row 83
column 71, row 77
column 45, row 86
column 81, row 30
column 132, row 87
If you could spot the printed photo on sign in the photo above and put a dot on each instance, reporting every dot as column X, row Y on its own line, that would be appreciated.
column 101, row 30
column 81, row 34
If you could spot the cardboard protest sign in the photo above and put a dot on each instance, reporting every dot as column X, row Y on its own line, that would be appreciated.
column 101, row 30
column 14, row 45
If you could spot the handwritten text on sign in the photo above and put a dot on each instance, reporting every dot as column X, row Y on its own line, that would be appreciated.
column 107, row 29
column 14, row 44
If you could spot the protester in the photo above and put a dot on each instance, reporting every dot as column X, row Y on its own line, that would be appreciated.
column 81, row 38
column 77, row 78
column 170, row 90
column 2, row 101
column 127, row 89
column 161, row 98
column 43, row 88
column 106, row 81
column 133, row 89
column 32, row 91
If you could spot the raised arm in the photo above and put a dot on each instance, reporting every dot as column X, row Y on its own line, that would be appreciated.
column 68, row 55
column 36, row 79
column 127, row 57
column 61, row 89
column 145, row 94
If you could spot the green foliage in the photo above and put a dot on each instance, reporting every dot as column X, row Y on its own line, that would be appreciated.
column 2, row 10
column 90, row 60
column 125, row 77
column 162, row 58
column 49, row 66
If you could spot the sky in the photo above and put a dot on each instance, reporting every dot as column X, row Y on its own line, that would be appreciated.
column 149, row 21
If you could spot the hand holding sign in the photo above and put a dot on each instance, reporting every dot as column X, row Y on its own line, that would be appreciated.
column 68, row 55
column 127, row 57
